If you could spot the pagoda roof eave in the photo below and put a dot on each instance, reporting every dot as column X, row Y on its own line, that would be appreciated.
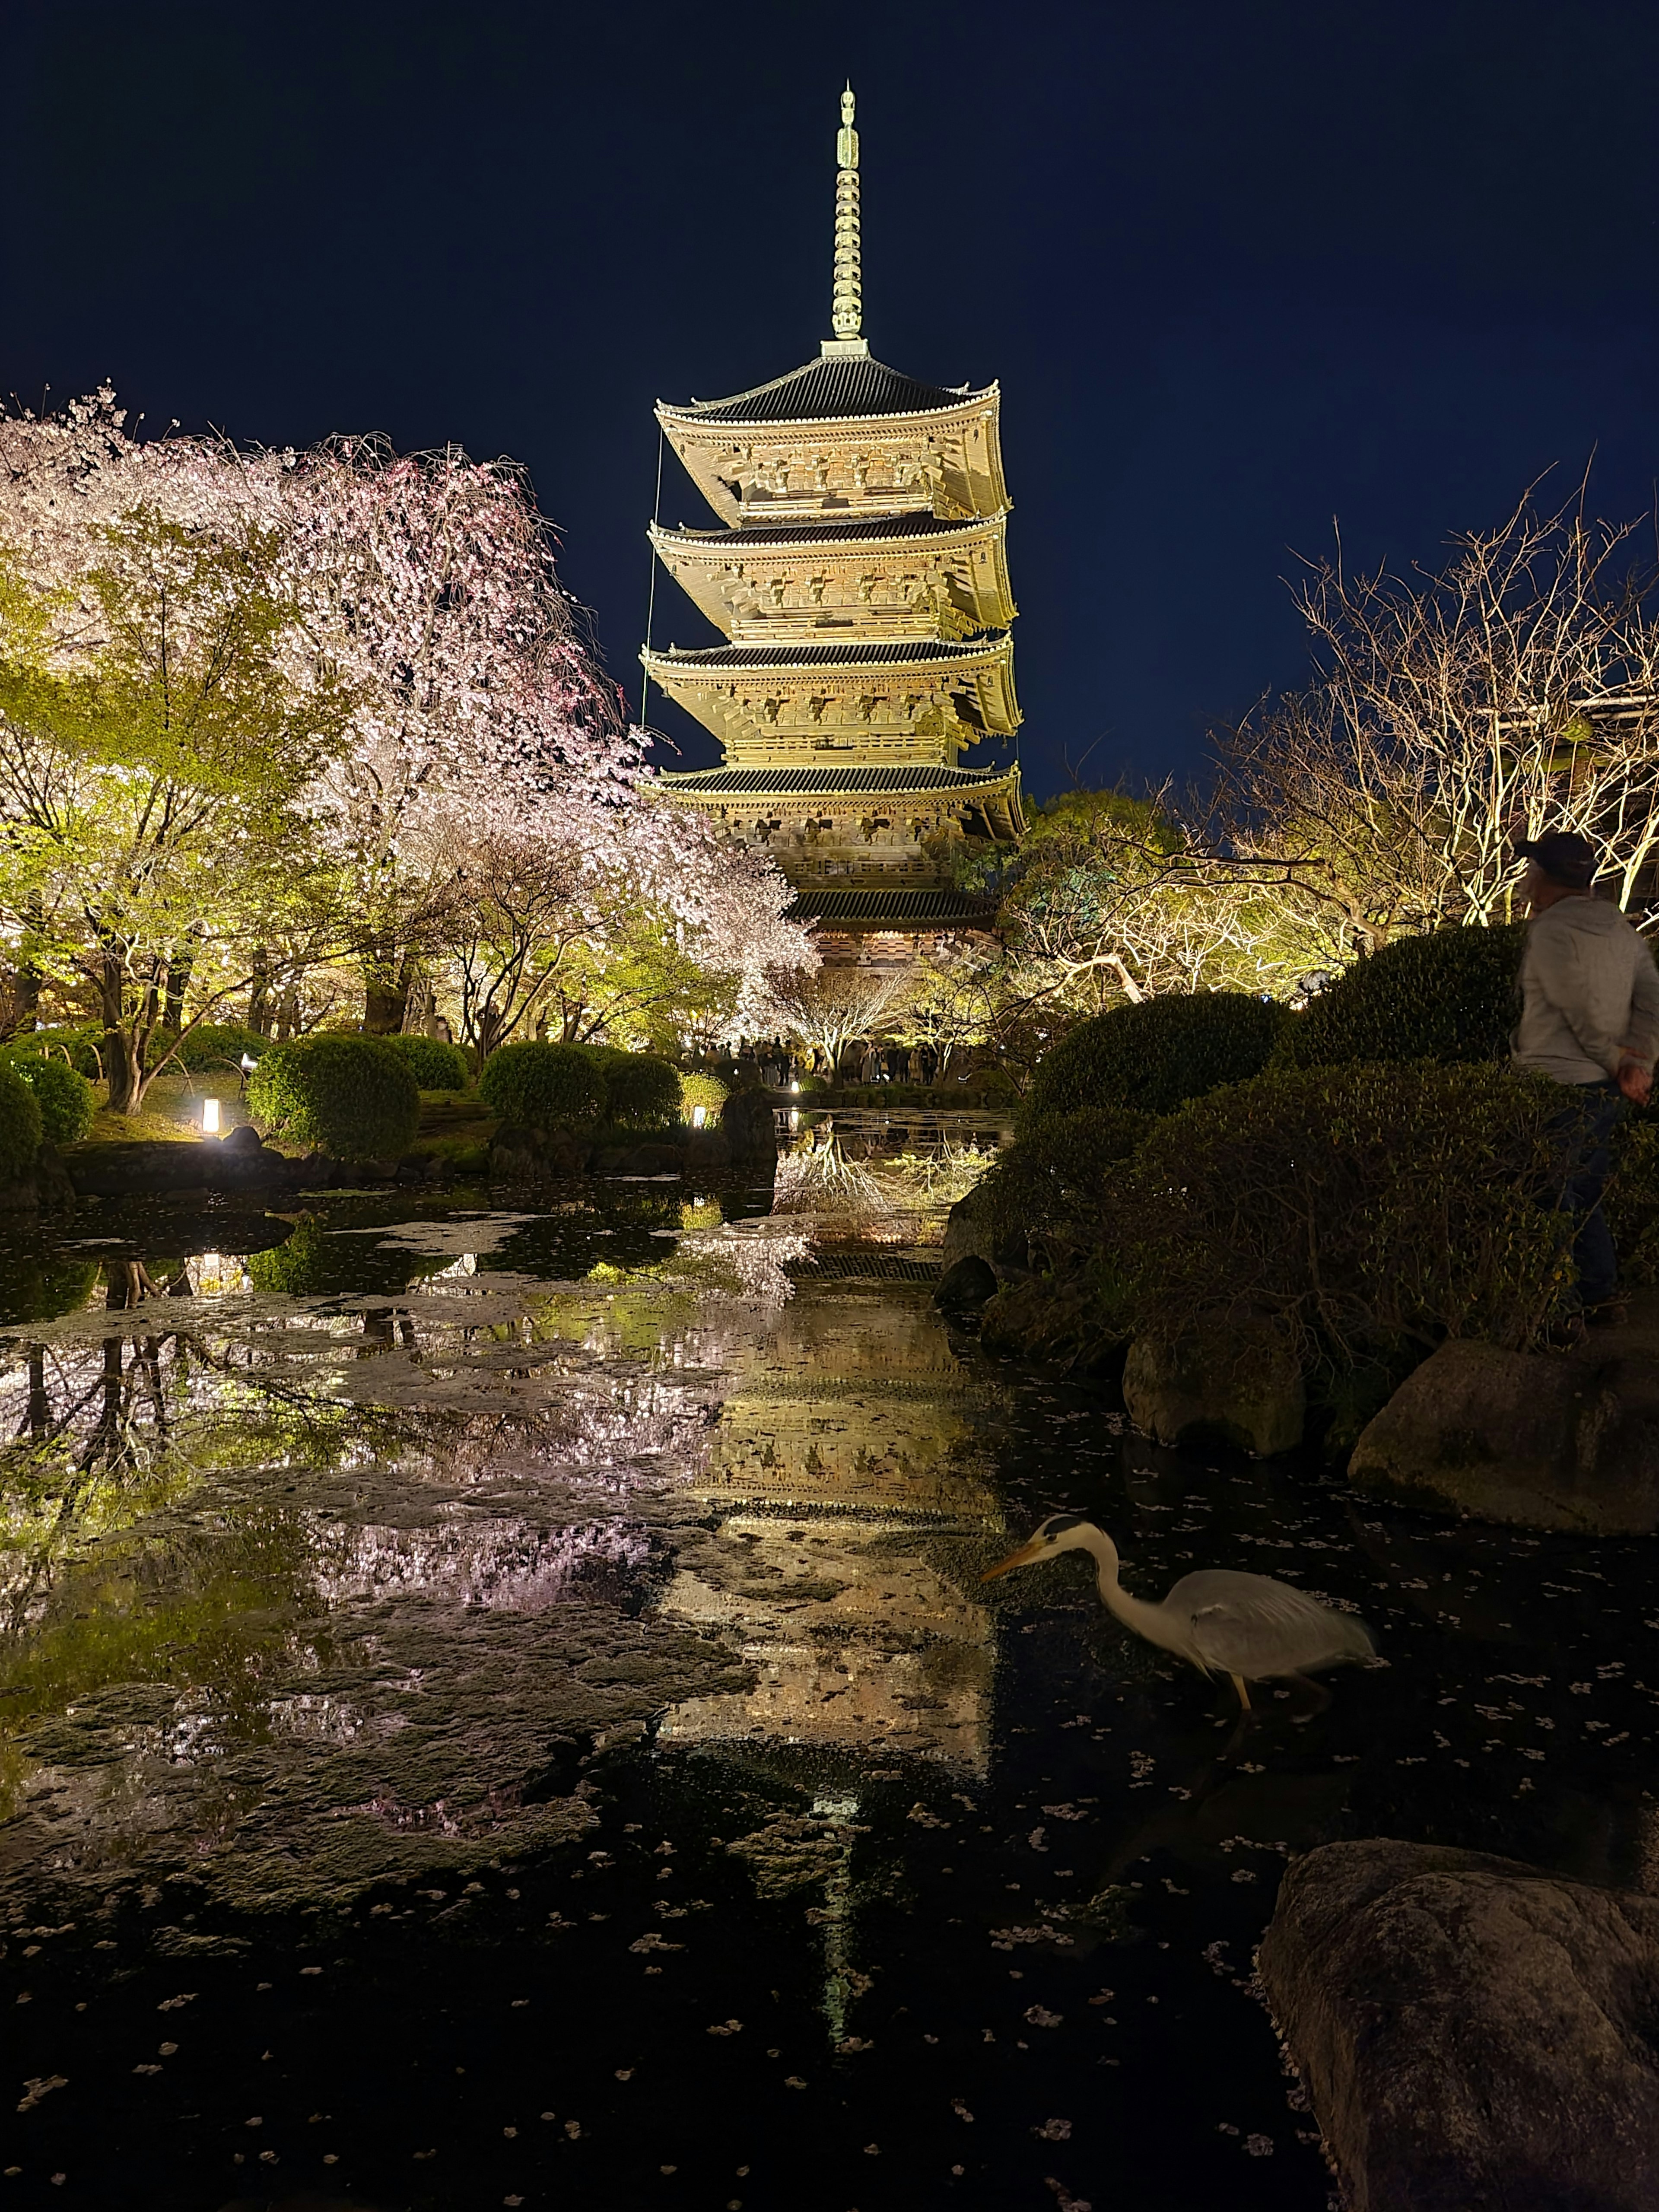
column 921, row 526
column 894, row 781
column 830, row 391
column 811, row 659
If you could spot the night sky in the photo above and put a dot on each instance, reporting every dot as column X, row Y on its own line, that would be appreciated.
column 1240, row 270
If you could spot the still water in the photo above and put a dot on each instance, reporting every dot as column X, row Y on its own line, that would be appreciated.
column 498, row 1708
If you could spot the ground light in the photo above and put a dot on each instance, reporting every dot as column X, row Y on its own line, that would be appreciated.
column 209, row 1117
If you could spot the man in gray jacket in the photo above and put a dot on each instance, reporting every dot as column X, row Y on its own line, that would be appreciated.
column 1589, row 1018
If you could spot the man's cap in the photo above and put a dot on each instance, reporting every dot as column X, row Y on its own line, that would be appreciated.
column 1564, row 857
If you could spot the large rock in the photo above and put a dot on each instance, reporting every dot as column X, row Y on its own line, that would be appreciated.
column 43, row 1187
column 750, row 1127
column 1235, row 1381
column 971, row 1232
column 1539, row 1440
column 163, row 1167
column 966, row 1283
column 1476, row 2035
column 1059, row 1321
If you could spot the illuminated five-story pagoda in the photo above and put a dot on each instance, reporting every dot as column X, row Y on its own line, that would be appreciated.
column 861, row 580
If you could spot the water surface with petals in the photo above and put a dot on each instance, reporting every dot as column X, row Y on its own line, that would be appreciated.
column 499, row 1707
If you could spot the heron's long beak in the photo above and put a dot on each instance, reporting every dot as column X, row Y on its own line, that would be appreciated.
column 1027, row 1555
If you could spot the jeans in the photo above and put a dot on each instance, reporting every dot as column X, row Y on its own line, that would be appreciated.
column 1590, row 1120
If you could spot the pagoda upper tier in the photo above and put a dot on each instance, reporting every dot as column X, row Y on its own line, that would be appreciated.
column 911, row 575
column 859, row 583
column 844, row 435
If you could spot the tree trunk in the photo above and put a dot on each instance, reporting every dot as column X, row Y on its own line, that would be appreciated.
column 258, row 999
column 387, row 983
column 178, row 974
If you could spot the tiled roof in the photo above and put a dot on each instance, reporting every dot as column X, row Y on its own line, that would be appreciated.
column 920, row 653
column 920, row 524
column 896, row 909
column 822, row 390
column 805, row 781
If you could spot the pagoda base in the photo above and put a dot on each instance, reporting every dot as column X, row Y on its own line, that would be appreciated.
column 874, row 926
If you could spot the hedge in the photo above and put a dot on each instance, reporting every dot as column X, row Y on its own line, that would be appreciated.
column 1375, row 1209
column 1451, row 996
column 1154, row 1057
column 1059, row 1171
column 544, row 1087
column 78, row 1043
column 212, row 1045
column 20, row 1124
column 352, row 1096
column 63, row 1096
column 435, row 1065
column 640, row 1091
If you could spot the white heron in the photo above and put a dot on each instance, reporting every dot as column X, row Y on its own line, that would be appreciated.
column 1247, row 1626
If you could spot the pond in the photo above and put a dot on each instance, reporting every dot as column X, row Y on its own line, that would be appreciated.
column 500, row 1708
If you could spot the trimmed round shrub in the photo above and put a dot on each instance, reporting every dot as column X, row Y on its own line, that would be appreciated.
column 77, row 1043
column 435, row 1065
column 64, row 1097
column 219, row 1045
column 1156, row 1056
column 1059, row 1171
column 705, row 1090
column 1376, row 1210
column 20, row 1124
column 352, row 1096
column 1450, row 997
column 640, row 1091
column 544, row 1087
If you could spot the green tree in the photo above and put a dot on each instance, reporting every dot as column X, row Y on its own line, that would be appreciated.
column 159, row 727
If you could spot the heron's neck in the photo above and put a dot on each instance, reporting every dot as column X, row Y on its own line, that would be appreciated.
column 1133, row 1611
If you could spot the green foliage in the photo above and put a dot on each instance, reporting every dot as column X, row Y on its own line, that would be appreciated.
column 63, row 1096
column 1155, row 1056
column 435, row 1065
column 215, row 1045
column 544, row 1087
column 640, row 1091
column 77, row 1042
column 20, row 1124
column 1447, row 998
column 1061, row 1170
column 708, row 1092
column 1631, row 1203
column 1376, row 1210
column 352, row 1096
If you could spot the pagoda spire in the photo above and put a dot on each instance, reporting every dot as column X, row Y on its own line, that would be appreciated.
column 847, row 312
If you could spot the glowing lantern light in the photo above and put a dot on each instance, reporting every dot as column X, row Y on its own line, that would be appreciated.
column 209, row 1117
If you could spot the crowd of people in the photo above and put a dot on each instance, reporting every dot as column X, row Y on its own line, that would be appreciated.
column 776, row 1065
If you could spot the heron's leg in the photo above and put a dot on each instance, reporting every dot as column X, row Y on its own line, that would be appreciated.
column 1244, row 1694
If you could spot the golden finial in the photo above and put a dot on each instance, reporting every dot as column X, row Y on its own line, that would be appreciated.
column 847, row 314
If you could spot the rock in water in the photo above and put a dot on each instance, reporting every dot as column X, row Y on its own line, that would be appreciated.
column 1234, row 1379
column 750, row 1125
column 966, row 1283
column 1474, row 2033
column 1538, row 1440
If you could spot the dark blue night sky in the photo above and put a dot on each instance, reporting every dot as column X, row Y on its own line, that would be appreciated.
column 1240, row 270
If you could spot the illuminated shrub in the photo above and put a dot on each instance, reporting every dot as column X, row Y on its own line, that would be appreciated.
column 544, row 1087
column 1450, row 997
column 435, row 1065
column 20, row 1124
column 1156, row 1056
column 640, row 1091
column 352, row 1096
column 63, row 1096
column 705, row 1090
column 214, row 1046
